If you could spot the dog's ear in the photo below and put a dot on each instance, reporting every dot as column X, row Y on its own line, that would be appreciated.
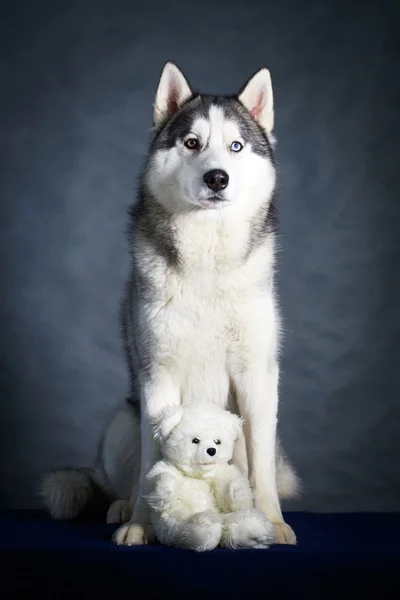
column 173, row 90
column 257, row 97
column 166, row 422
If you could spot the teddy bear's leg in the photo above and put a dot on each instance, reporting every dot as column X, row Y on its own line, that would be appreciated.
column 200, row 532
column 247, row 529
column 203, row 531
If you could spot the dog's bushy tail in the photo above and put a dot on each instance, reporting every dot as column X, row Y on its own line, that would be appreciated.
column 288, row 483
column 73, row 493
column 287, row 480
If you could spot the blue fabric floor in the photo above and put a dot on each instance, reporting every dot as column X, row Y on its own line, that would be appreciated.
column 338, row 556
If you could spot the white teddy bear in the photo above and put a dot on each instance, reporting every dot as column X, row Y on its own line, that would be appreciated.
column 198, row 499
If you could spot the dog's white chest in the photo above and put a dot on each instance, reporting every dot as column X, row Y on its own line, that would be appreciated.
column 202, row 308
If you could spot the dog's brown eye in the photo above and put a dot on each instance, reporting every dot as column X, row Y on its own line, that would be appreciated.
column 195, row 441
column 217, row 442
column 192, row 144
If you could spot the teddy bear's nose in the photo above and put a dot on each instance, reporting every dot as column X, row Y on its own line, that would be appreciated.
column 211, row 451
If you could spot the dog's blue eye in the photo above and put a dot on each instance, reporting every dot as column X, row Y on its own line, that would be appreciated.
column 236, row 147
column 195, row 441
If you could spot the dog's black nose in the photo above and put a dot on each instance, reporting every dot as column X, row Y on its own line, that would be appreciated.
column 211, row 451
column 216, row 179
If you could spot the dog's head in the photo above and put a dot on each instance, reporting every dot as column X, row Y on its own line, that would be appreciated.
column 211, row 152
column 197, row 438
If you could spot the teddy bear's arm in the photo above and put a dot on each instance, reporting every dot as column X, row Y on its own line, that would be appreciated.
column 160, row 487
column 233, row 489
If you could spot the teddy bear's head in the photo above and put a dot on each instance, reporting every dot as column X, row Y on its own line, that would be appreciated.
column 197, row 438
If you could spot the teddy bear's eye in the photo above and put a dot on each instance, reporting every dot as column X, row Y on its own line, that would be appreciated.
column 217, row 442
column 195, row 441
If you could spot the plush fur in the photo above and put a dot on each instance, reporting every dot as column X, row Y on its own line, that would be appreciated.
column 198, row 499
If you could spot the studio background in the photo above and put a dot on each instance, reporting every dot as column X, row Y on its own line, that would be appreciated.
column 77, row 86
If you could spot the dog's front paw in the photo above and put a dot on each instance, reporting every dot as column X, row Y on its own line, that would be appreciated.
column 240, row 495
column 284, row 534
column 120, row 511
column 131, row 534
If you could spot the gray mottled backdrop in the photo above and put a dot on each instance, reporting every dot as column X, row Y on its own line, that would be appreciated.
column 77, row 84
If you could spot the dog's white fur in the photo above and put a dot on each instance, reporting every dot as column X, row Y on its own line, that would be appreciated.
column 214, row 322
column 198, row 499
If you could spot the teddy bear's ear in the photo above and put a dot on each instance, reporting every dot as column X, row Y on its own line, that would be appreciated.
column 237, row 424
column 166, row 422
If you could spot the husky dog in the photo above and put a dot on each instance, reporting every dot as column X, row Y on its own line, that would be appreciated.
column 200, row 316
